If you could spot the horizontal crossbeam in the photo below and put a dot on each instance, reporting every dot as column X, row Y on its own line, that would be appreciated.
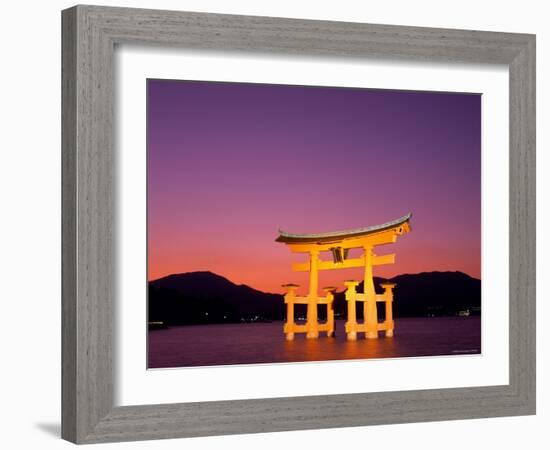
column 306, row 300
column 346, row 264
column 380, row 326
column 381, row 238
column 363, row 297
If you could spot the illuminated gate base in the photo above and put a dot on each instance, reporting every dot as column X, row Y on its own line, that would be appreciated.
column 312, row 327
column 370, row 325
column 339, row 244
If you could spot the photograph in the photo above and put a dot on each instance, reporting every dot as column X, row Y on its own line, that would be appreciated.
column 290, row 223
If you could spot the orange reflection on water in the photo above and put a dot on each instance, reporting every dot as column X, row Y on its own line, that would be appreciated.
column 255, row 343
column 324, row 348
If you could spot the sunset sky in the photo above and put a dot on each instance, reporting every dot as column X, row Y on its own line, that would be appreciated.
column 230, row 163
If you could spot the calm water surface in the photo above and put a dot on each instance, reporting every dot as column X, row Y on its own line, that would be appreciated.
column 207, row 345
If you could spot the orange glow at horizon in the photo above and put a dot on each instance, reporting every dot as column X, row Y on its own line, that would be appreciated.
column 267, row 267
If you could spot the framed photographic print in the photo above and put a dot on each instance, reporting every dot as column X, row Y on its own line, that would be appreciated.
column 283, row 216
column 228, row 161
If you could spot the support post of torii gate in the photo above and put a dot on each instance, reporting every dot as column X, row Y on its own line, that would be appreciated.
column 339, row 244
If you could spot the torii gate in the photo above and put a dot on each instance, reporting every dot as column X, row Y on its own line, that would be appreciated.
column 339, row 243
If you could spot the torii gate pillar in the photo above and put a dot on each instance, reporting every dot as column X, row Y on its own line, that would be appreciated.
column 312, row 323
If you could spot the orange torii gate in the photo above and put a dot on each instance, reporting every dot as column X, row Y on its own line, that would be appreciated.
column 339, row 243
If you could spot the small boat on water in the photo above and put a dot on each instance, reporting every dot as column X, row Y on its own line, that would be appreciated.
column 157, row 325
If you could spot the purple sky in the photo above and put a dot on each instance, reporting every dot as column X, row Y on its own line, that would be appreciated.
column 229, row 163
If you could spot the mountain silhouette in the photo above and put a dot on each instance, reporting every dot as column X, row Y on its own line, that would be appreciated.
column 205, row 297
column 425, row 294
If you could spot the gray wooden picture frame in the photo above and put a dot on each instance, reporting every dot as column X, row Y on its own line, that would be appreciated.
column 90, row 34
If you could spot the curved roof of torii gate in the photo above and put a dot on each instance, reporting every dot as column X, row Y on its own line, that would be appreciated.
column 291, row 238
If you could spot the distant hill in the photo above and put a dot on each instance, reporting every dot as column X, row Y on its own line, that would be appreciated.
column 427, row 293
column 205, row 297
column 437, row 293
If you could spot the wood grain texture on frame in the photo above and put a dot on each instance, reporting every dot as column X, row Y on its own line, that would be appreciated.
column 89, row 37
